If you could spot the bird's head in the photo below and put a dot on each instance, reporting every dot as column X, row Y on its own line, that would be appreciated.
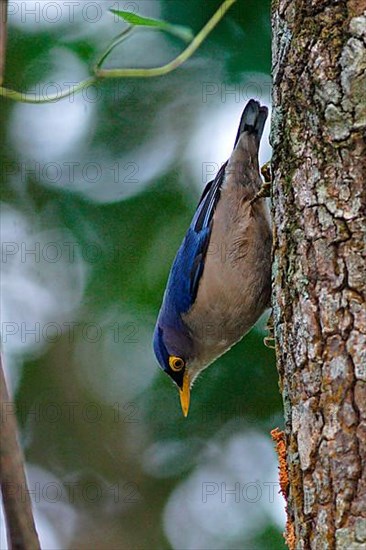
column 174, row 351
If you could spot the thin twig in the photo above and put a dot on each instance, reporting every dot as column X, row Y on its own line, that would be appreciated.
column 180, row 59
column 118, row 40
column 128, row 72
column 21, row 531
column 24, row 97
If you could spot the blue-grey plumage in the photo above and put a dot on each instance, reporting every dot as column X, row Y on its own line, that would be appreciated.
column 220, row 281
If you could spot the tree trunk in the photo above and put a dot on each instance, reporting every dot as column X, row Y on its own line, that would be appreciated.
column 319, row 188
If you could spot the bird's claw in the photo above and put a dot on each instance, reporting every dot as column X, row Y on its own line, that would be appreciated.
column 266, row 172
column 265, row 190
column 269, row 340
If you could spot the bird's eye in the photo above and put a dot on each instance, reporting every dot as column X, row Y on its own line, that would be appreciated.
column 176, row 363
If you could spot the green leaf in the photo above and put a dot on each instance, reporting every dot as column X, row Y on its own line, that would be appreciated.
column 184, row 33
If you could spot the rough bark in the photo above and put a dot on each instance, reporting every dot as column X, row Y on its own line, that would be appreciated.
column 319, row 280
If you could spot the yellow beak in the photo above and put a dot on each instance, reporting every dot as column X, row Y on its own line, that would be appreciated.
column 184, row 394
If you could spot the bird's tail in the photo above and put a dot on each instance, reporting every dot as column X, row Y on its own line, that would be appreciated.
column 252, row 120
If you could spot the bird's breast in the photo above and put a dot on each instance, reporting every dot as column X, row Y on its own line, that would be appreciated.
column 235, row 285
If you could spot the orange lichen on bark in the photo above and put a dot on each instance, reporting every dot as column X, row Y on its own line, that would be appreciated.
column 289, row 534
column 279, row 438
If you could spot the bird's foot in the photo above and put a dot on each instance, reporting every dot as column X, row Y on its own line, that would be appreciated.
column 266, row 172
column 269, row 340
column 265, row 190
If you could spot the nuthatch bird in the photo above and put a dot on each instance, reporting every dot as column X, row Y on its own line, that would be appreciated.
column 220, row 281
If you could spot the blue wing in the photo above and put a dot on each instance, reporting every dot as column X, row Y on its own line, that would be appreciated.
column 189, row 262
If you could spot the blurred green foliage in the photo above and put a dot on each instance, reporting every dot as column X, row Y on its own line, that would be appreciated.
column 94, row 408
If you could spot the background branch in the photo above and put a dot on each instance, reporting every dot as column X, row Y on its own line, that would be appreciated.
column 3, row 34
column 21, row 531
